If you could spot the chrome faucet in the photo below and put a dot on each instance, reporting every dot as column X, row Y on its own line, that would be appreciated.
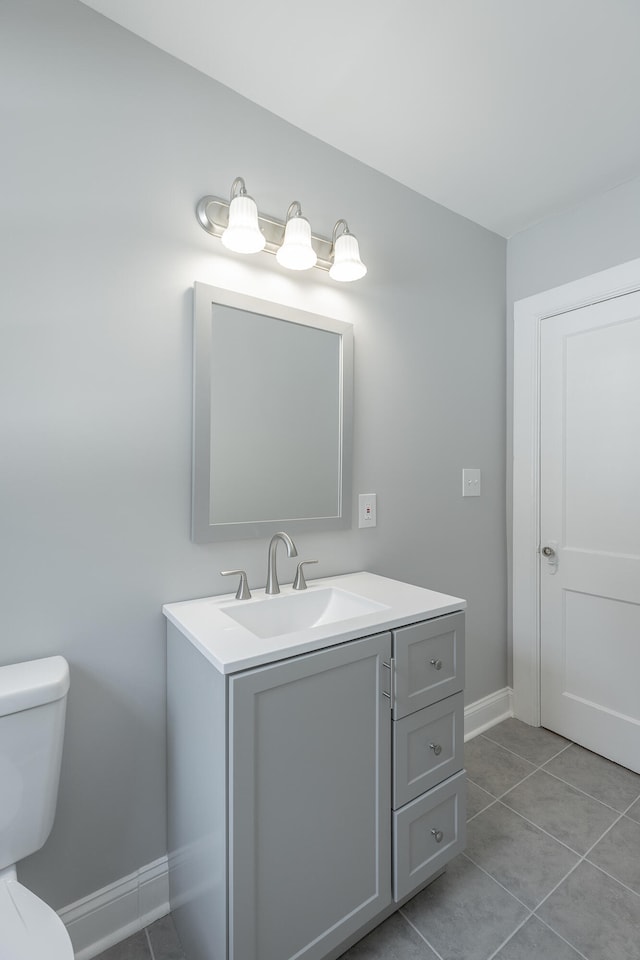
column 272, row 577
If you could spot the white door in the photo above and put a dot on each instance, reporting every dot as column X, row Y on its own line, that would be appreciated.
column 590, row 527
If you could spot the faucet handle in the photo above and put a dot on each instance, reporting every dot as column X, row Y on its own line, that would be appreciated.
column 243, row 592
column 300, row 583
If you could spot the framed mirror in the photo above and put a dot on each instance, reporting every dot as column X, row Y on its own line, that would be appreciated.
column 272, row 418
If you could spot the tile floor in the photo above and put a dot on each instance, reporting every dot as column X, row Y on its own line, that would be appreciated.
column 551, row 870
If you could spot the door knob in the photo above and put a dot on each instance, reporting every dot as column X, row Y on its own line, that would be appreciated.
column 550, row 555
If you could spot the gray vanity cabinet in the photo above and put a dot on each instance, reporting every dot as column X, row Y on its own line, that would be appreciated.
column 310, row 749
column 309, row 797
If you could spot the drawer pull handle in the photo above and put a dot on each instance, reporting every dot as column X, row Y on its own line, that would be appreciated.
column 437, row 749
column 436, row 663
column 438, row 834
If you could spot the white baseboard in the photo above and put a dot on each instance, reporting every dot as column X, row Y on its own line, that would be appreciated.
column 486, row 713
column 110, row 915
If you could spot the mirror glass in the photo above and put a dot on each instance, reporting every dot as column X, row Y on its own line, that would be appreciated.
column 272, row 418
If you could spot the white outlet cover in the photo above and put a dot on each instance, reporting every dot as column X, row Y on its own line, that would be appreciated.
column 366, row 510
column 470, row 482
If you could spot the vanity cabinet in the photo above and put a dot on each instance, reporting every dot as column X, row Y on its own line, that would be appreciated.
column 310, row 796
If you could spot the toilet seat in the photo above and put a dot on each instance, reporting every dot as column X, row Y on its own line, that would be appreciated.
column 29, row 928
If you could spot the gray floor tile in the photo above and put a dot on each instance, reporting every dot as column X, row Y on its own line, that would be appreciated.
column 394, row 939
column 477, row 799
column 164, row 940
column 600, row 778
column 133, row 948
column 634, row 812
column 619, row 853
column 519, row 856
column 492, row 768
column 562, row 811
column 533, row 743
column 534, row 941
column 465, row 915
column 596, row 914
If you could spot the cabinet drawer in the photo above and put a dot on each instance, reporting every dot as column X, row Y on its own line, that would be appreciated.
column 429, row 663
column 427, row 748
column 428, row 832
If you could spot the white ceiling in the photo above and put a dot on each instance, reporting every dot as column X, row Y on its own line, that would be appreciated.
column 505, row 111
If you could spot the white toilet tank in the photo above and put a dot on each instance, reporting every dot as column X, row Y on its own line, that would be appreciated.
column 33, row 698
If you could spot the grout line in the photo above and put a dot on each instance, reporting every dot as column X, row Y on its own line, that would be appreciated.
column 506, row 889
column 507, row 750
column 558, row 884
column 469, row 780
column 510, row 937
column 537, row 826
column 615, row 879
column 602, row 835
column 484, row 809
column 560, row 937
column 519, row 782
column 580, row 861
column 146, row 933
column 422, row 937
column 563, row 750
column 536, row 767
column 584, row 792
column 625, row 813
column 521, row 757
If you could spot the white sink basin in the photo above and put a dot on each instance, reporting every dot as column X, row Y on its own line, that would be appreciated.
column 288, row 613
column 240, row 634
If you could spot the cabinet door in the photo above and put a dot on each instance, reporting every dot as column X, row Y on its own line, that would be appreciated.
column 310, row 845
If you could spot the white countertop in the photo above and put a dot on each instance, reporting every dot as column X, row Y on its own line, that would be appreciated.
column 231, row 647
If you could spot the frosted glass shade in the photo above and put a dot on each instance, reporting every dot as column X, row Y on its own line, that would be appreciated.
column 347, row 264
column 296, row 251
column 243, row 234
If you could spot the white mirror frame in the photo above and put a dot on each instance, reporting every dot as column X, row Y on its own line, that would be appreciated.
column 202, row 529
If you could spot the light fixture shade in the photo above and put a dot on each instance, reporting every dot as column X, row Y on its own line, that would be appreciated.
column 243, row 234
column 296, row 251
column 347, row 264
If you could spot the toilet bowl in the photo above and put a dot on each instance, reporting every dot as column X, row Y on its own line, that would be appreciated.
column 32, row 711
column 29, row 929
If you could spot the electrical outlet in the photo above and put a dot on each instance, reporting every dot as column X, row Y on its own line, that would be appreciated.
column 367, row 510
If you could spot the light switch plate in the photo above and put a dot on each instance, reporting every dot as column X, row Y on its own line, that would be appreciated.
column 366, row 510
column 470, row 482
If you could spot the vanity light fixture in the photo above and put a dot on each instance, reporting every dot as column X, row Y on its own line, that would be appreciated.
column 243, row 233
column 240, row 226
column 296, row 251
column 347, row 264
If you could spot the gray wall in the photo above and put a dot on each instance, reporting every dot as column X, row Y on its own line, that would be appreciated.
column 108, row 143
column 600, row 233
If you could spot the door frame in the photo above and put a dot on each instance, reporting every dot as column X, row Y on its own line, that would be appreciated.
column 525, row 569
